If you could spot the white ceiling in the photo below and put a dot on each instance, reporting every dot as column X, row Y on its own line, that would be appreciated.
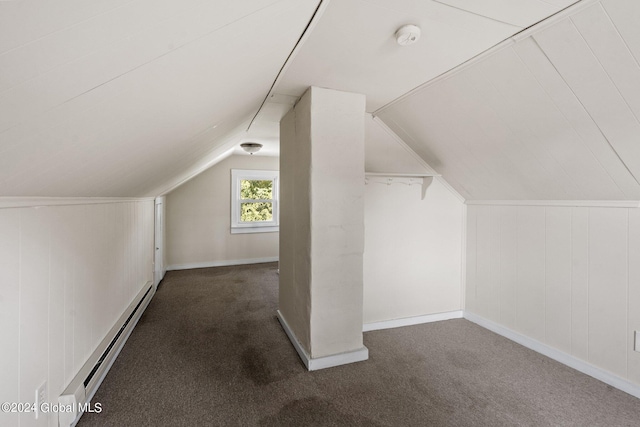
column 353, row 48
column 119, row 98
column 133, row 97
column 553, row 116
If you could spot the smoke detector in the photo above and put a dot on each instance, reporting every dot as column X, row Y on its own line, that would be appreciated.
column 407, row 34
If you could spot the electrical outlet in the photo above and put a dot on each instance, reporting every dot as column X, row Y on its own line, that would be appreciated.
column 637, row 344
column 41, row 397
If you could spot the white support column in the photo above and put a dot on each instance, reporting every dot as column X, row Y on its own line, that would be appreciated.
column 322, row 226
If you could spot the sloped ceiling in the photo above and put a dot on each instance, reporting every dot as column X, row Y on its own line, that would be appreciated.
column 353, row 48
column 133, row 97
column 115, row 98
column 553, row 116
column 385, row 153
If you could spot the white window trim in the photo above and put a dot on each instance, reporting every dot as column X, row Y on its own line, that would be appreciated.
column 238, row 226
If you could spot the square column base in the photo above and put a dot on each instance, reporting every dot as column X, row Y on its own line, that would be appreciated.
column 314, row 364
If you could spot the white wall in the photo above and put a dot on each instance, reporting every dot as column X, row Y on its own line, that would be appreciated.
column 568, row 277
column 66, row 274
column 198, row 219
column 413, row 251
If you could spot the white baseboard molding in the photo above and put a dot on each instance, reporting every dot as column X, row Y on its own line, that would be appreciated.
column 408, row 321
column 326, row 361
column 557, row 355
column 221, row 263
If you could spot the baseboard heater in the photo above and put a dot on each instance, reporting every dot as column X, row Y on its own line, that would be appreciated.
column 85, row 384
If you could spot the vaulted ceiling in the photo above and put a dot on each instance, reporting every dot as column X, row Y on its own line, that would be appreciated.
column 552, row 115
column 133, row 97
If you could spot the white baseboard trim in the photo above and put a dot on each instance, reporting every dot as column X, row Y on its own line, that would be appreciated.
column 326, row 361
column 408, row 321
column 221, row 263
column 557, row 355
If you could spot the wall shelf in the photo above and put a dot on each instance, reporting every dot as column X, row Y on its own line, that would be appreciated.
column 424, row 179
column 401, row 175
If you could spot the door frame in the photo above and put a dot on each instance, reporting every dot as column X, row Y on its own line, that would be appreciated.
column 159, row 227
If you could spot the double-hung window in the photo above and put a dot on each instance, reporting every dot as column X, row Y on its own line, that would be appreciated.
column 254, row 201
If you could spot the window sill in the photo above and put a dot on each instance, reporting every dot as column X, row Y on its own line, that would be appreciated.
column 247, row 230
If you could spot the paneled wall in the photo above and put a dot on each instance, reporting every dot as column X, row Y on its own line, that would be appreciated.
column 568, row 277
column 66, row 274
column 412, row 251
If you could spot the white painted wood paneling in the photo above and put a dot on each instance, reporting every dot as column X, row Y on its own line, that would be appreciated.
column 471, row 260
column 580, row 283
column 633, row 357
column 131, row 112
column 625, row 15
column 607, row 175
column 519, row 102
column 24, row 22
column 550, row 116
column 384, row 154
column 582, row 71
column 558, row 278
column 612, row 52
column 531, row 272
column 521, row 13
column 10, row 310
column 608, row 281
column 34, row 296
column 507, row 276
column 483, row 263
column 576, row 285
column 59, row 261
column 67, row 273
column 504, row 149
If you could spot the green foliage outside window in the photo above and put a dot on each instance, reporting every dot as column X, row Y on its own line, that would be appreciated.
column 260, row 192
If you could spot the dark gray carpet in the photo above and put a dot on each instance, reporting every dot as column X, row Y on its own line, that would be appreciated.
column 209, row 351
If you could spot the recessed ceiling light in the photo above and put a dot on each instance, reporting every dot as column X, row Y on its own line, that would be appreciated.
column 407, row 34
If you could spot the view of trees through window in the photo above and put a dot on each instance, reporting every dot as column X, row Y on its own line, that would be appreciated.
column 259, row 196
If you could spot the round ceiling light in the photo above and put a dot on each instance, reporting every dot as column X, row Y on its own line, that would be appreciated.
column 407, row 34
column 251, row 147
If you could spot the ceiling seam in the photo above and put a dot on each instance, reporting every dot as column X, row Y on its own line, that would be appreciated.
column 606, row 72
column 143, row 64
column 478, row 57
column 615, row 27
column 507, row 157
column 476, row 14
column 576, row 184
column 314, row 18
column 596, row 158
column 484, row 163
column 115, row 42
column 586, row 111
column 67, row 27
column 513, row 133
column 633, row 113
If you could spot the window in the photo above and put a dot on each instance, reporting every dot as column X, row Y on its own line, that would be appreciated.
column 254, row 201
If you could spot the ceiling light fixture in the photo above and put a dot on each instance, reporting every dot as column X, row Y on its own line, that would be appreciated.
column 407, row 34
column 251, row 147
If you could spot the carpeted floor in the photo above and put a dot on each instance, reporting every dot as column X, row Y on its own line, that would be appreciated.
column 210, row 352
